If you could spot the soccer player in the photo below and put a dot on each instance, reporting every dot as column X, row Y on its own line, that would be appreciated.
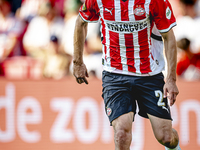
column 133, row 32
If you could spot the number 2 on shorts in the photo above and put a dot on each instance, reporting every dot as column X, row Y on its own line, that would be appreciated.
column 159, row 94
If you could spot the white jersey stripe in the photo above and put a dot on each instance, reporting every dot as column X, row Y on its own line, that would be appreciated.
column 136, row 52
column 108, row 48
column 121, row 37
column 147, row 3
column 123, row 52
column 146, row 6
column 106, row 57
column 103, row 54
column 117, row 10
column 100, row 5
column 130, row 10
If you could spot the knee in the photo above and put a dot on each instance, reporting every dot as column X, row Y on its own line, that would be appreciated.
column 165, row 139
column 169, row 139
column 123, row 131
column 123, row 136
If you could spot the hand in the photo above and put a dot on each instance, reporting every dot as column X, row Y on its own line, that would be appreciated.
column 170, row 91
column 80, row 73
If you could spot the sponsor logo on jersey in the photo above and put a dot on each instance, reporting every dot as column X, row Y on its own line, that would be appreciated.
column 109, row 111
column 139, row 11
column 127, row 27
column 168, row 13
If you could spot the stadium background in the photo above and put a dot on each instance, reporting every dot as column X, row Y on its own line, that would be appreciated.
column 41, row 113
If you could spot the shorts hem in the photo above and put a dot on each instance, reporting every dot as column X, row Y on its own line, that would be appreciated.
column 121, row 115
column 144, row 116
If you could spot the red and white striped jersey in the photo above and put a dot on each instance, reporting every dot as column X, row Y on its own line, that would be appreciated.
column 126, row 28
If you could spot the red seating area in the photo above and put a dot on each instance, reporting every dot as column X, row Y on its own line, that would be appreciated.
column 22, row 67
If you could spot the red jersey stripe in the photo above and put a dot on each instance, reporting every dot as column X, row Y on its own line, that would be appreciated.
column 115, row 50
column 130, row 52
column 108, row 11
column 124, row 10
column 144, row 51
column 103, row 38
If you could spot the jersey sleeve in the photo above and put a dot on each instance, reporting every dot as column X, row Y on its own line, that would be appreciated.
column 162, row 15
column 89, row 11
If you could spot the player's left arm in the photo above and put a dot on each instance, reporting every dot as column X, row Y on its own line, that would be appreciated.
column 170, row 87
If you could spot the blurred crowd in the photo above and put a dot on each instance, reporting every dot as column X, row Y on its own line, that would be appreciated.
column 187, row 34
column 36, row 39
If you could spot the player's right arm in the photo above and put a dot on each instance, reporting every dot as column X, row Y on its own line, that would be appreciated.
column 89, row 12
column 79, row 68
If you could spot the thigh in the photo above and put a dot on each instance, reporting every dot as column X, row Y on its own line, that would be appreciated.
column 161, row 127
column 150, row 97
column 117, row 95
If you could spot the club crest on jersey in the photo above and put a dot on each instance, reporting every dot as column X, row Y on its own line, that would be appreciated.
column 139, row 11
column 109, row 111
